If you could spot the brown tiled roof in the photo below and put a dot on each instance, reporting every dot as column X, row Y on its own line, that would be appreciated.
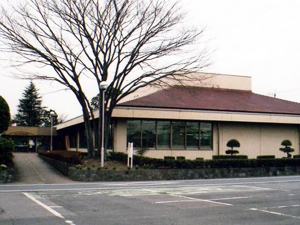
column 215, row 99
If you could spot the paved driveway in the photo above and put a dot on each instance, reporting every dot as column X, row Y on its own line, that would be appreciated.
column 33, row 170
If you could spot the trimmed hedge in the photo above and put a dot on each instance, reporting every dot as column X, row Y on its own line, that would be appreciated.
column 180, row 158
column 169, row 158
column 233, row 162
column 230, row 157
column 65, row 156
column 266, row 157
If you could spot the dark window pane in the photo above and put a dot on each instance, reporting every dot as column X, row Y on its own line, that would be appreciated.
column 192, row 134
column 163, row 134
column 82, row 139
column 206, row 135
column 110, row 137
column 148, row 134
column 73, row 140
column 178, row 134
column 134, row 132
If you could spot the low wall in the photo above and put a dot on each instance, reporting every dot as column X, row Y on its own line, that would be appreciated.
column 7, row 176
column 178, row 174
column 166, row 174
column 62, row 167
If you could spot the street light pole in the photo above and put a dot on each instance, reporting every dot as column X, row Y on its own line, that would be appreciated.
column 103, row 87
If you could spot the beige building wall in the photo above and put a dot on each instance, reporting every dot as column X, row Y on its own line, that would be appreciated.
column 120, row 145
column 255, row 139
column 259, row 139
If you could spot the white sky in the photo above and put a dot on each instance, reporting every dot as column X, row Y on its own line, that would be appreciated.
column 258, row 38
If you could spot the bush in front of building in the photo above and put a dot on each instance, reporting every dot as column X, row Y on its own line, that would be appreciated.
column 169, row 158
column 265, row 157
column 65, row 156
column 233, row 143
column 287, row 147
column 6, row 149
column 217, row 157
column 225, row 161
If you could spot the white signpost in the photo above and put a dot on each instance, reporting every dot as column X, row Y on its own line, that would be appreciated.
column 130, row 155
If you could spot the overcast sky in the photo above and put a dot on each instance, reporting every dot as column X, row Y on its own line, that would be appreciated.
column 258, row 38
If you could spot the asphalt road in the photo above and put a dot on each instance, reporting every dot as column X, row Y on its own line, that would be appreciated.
column 274, row 200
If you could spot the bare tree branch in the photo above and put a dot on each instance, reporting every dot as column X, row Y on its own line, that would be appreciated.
column 129, row 43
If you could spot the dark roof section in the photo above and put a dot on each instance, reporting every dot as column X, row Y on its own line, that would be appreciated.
column 215, row 99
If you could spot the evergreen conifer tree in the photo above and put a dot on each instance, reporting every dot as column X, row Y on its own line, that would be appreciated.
column 30, row 110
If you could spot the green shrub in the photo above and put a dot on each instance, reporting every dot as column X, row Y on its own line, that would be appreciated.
column 199, row 159
column 233, row 143
column 230, row 157
column 266, row 157
column 180, row 158
column 296, row 156
column 78, row 166
column 169, row 158
column 3, row 167
column 136, row 167
column 4, row 115
column 142, row 151
column 65, row 156
column 6, row 149
column 287, row 149
column 218, row 161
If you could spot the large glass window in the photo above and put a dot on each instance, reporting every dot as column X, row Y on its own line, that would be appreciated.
column 206, row 135
column 192, row 135
column 134, row 132
column 157, row 134
column 163, row 134
column 148, row 134
column 178, row 134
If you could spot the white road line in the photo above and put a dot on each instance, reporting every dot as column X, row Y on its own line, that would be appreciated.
column 283, row 206
column 178, row 201
column 274, row 213
column 48, row 208
column 202, row 200
column 232, row 198
column 43, row 205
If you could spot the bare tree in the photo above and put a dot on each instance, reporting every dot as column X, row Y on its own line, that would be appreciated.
column 128, row 43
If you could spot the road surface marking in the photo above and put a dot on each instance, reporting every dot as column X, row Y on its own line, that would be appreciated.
column 275, row 213
column 202, row 200
column 48, row 208
column 232, row 198
column 265, row 210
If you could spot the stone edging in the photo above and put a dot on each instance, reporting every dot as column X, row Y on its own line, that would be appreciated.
column 7, row 176
column 167, row 174
column 178, row 174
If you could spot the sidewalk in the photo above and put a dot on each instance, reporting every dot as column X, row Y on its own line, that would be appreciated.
column 30, row 169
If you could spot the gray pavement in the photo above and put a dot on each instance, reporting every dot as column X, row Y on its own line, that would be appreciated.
column 30, row 169
column 240, row 201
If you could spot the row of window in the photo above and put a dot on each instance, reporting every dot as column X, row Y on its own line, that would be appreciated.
column 169, row 134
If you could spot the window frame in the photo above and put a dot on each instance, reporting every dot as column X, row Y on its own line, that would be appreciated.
column 171, row 146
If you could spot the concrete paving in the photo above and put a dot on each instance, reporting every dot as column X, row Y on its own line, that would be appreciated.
column 30, row 169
